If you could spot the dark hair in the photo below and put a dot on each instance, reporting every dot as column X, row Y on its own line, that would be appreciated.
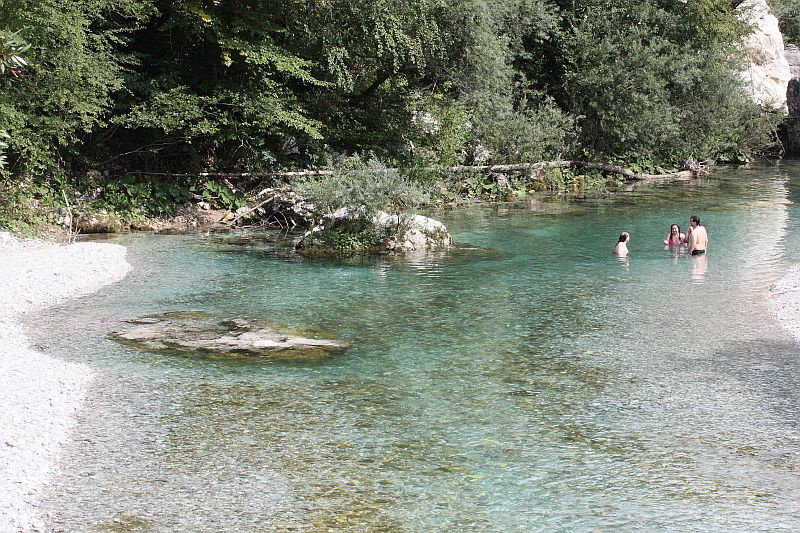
column 623, row 236
column 695, row 219
column 669, row 235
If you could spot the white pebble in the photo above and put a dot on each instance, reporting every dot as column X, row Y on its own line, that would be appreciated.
column 40, row 396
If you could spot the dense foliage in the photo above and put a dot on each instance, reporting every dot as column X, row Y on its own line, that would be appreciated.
column 788, row 13
column 188, row 85
column 664, row 89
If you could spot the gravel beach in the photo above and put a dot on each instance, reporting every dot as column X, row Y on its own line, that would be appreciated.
column 784, row 301
column 40, row 395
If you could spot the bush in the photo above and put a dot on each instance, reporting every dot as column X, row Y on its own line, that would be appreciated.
column 4, row 137
column 16, row 214
column 438, row 131
column 368, row 186
column 528, row 133
column 345, row 236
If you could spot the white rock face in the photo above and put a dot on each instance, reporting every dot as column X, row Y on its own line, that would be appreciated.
column 792, row 54
column 768, row 74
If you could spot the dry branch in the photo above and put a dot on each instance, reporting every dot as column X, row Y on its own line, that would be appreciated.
column 235, row 174
column 72, row 234
column 249, row 210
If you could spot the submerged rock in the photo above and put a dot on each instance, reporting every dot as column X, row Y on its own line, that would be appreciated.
column 195, row 332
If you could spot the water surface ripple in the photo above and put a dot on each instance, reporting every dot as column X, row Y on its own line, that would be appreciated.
column 526, row 381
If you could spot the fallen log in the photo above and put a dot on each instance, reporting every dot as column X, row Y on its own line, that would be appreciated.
column 517, row 167
column 615, row 169
column 234, row 174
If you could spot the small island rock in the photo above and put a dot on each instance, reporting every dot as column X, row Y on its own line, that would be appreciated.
column 380, row 233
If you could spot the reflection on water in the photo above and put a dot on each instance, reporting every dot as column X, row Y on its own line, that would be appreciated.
column 527, row 380
column 699, row 267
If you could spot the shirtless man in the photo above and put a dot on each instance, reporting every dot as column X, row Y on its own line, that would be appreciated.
column 697, row 237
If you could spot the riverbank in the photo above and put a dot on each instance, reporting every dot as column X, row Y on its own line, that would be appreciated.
column 784, row 301
column 40, row 395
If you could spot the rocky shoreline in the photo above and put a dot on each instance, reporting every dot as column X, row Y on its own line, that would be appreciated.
column 40, row 395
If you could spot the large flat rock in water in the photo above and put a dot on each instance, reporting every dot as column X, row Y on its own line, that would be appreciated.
column 198, row 333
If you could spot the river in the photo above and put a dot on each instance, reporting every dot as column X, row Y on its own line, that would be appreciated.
column 528, row 380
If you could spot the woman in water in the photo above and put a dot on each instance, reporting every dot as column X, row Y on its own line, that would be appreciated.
column 674, row 237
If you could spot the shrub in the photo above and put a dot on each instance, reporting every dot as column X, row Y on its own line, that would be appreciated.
column 368, row 186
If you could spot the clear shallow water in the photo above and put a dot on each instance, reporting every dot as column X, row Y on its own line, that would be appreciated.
column 529, row 381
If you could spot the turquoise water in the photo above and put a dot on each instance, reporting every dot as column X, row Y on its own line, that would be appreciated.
column 526, row 381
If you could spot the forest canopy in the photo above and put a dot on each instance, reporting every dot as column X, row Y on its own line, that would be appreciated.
column 193, row 85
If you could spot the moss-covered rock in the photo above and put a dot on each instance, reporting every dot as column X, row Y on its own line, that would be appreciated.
column 346, row 232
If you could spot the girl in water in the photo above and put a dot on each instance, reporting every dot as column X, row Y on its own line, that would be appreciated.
column 674, row 237
column 621, row 248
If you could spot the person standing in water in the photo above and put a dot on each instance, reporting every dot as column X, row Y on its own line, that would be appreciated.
column 621, row 248
column 697, row 237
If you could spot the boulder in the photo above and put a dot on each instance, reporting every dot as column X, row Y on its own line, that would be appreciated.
column 790, row 129
column 201, row 214
column 97, row 222
column 416, row 232
column 197, row 333
column 792, row 54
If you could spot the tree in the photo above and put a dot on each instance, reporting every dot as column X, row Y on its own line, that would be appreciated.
column 217, row 87
column 657, row 80
column 12, row 48
column 185, row 85
column 75, row 67
column 489, row 62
